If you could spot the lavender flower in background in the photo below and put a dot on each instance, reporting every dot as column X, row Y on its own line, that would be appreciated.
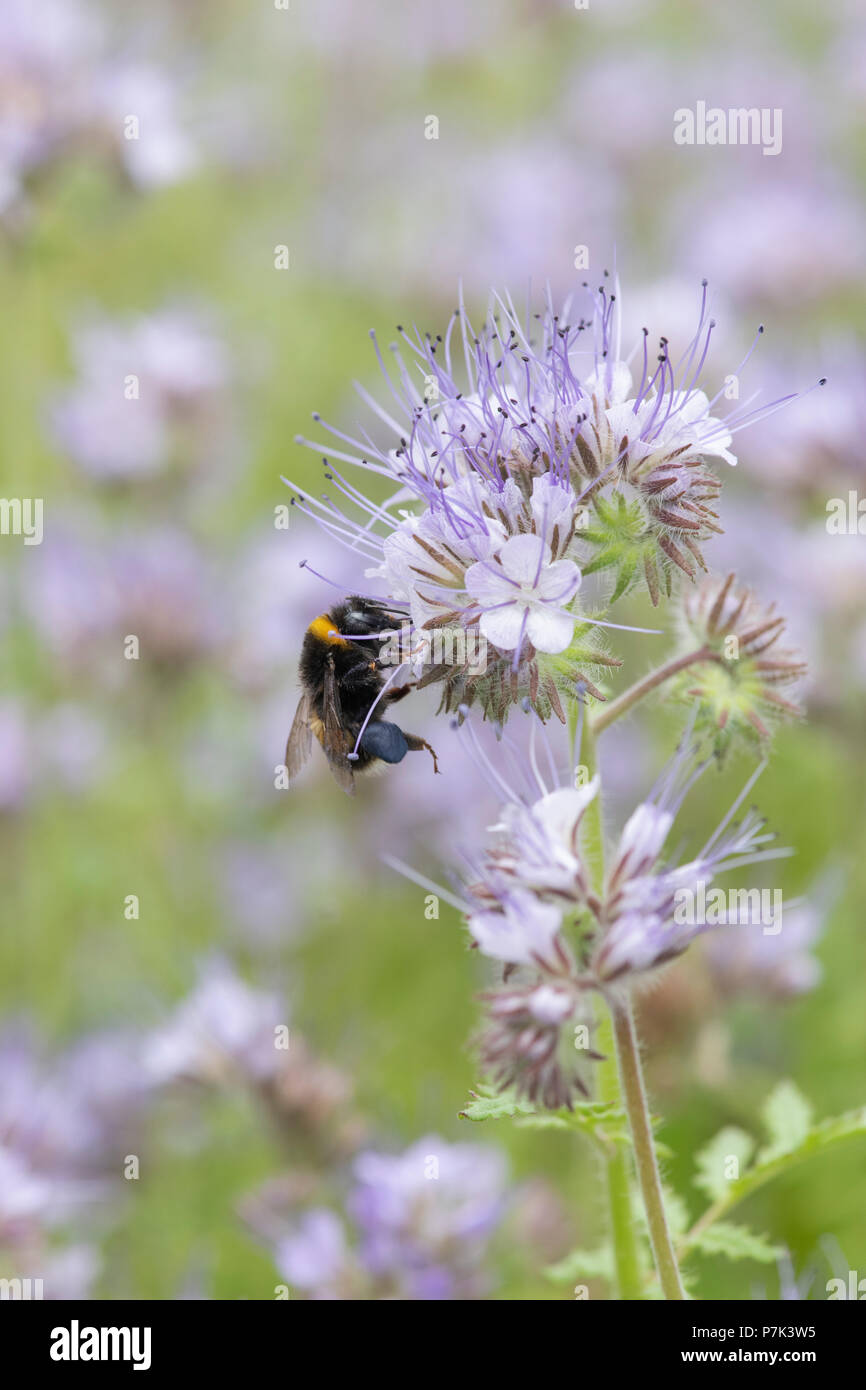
column 778, row 966
column 142, row 388
column 315, row 1257
column 15, row 755
column 416, row 1227
column 824, row 578
column 166, row 594
column 340, row 32
column 162, row 151
column 229, row 1034
column 45, row 60
column 807, row 241
column 67, row 593
column 74, row 746
column 425, row 1216
column 65, row 91
column 817, row 444
column 224, row 1030
column 66, row 1125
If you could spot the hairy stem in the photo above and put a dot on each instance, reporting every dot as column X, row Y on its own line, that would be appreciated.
column 617, row 1167
column 622, row 1227
column 623, row 703
column 634, row 1093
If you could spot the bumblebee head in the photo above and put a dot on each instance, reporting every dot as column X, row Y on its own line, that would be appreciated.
column 360, row 616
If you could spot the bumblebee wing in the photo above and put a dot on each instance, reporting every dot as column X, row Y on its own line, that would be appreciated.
column 335, row 741
column 300, row 740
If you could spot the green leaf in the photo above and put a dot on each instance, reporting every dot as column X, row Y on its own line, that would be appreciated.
column 677, row 1212
column 787, row 1115
column 485, row 1105
column 819, row 1138
column 784, row 1115
column 605, row 1124
column 714, row 1175
column 735, row 1242
column 583, row 1264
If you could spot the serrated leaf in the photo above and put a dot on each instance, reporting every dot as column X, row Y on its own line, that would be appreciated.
column 583, row 1264
column 606, row 1124
column 736, row 1243
column 501, row 1106
column 817, row 1140
column 820, row 1137
column 787, row 1115
column 716, row 1171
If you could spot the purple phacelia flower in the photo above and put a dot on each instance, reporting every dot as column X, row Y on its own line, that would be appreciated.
column 530, row 901
column 524, row 456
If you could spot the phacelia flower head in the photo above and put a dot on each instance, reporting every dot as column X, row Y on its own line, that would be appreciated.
column 525, row 456
column 737, row 691
column 531, row 901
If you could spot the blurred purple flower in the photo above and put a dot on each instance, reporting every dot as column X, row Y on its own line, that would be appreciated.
column 17, row 752
column 416, row 1227
column 414, row 38
column 775, row 966
column 181, row 371
column 425, row 1216
column 68, row 594
column 46, row 55
column 167, row 595
column 159, row 150
column 73, row 745
column 779, row 241
column 71, row 1114
column 315, row 1256
column 224, row 1029
column 816, row 446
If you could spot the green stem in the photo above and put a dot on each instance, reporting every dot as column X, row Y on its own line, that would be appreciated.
column 631, row 1082
column 617, row 1168
column 620, row 1082
column 623, row 703
column 622, row 1226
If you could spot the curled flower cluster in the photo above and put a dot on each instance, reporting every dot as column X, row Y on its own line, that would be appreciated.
column 526, row 456
column 532, row 904
column 738, row 692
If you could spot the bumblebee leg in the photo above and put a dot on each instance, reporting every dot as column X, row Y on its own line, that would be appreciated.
column 415, row 744
column 399, row 692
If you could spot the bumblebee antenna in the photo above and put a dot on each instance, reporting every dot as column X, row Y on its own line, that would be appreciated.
column 305, row 565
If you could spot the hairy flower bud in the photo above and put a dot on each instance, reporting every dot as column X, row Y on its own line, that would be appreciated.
column 737, row 690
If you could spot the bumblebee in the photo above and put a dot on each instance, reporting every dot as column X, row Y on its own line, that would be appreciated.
column 342, row 681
